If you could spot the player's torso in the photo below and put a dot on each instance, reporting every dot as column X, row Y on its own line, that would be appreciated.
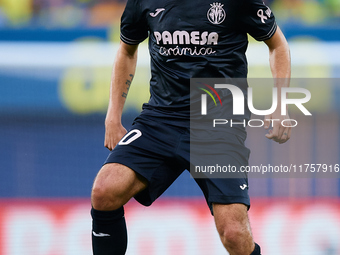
column 192, row 39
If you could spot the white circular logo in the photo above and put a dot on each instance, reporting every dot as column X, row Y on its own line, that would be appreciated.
column 216, row 13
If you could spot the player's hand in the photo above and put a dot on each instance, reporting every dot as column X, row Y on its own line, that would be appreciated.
column 113, row 133
column 278, row 133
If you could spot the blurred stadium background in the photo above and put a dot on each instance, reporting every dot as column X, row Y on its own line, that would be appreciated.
column 55, row 66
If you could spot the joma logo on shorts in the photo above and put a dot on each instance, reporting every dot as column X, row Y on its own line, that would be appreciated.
column 184, row 37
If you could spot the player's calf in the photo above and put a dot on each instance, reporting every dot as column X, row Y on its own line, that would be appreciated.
column 114, row 185
column 109, row 234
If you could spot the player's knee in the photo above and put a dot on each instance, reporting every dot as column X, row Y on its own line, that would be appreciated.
column 106, row 198
column 231, row 237
column 232, row 225
column 107, row 194
column 114, row 186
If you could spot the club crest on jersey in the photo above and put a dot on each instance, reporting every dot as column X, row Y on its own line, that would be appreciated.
column 216, row 14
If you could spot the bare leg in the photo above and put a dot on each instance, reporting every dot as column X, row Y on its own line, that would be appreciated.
column 233, row 226
column 114, row 186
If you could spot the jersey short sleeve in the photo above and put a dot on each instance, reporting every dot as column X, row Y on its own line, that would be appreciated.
column 133, row 28
column 258, row 20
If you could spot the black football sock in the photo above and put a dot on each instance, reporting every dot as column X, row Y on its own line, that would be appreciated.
column 257, row 250
column 109, row 235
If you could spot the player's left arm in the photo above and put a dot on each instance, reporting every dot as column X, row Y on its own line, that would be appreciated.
column 280, row 65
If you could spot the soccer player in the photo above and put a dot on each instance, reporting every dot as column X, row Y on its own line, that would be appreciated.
column 186, row 39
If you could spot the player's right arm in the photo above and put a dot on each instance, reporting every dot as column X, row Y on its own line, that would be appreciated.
column 122, row 74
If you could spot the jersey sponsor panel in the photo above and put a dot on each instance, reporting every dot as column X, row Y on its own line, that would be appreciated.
column 185, row 37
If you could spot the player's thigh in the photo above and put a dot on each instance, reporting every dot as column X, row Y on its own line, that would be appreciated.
column 231, row 218
column 116, row 182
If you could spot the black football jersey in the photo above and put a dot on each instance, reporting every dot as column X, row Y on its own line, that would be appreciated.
column 194, row 39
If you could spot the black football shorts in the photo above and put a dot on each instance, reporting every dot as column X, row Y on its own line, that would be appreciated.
column 160, row 151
